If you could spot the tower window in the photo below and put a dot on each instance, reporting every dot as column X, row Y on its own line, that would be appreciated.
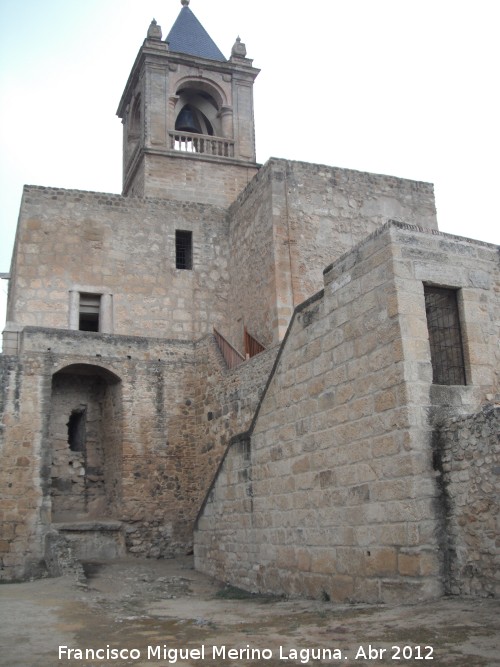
column 90, row 306
column 445, row 336
column 183, row 249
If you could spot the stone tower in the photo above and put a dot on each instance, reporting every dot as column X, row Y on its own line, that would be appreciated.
column 187, row 113
column 178, row 359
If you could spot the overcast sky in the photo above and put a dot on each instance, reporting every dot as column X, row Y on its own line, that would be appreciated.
column 401, row 87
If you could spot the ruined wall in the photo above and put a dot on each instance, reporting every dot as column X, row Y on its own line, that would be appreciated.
column 123, row 247
column 145, row 456
column 84, row 436
column 467, row 451
column 23, row 502
column 293, row 220
column 334, row 491
column 158, row 415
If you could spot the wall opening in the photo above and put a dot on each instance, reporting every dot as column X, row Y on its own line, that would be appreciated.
column 445, row 336
column 85, row 431
column 76, row 429
column 134, row 127
column 183, row 249
column 89, row 312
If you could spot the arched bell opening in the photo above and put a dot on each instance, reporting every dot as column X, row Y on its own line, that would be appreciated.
column 85, row 430
column 198, row 108
column 203, row 124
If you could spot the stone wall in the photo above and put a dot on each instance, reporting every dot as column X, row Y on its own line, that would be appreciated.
column 286, row 225
column 331, row 498
column 123, row 247
column 293, row 220
column 252, row 291
column 140, row 466
column 85, row 437
column 333, row 492
column 226, row 400
column 467, row 457
column 23, row 507
column 191, row 179
column 331, row 210
column 158, row 414
column 470, row 268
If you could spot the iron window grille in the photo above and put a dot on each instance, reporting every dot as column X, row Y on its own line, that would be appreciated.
column 445, row 336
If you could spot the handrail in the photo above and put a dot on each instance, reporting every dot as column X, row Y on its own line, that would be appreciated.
column 252, row 345
column 231, row 355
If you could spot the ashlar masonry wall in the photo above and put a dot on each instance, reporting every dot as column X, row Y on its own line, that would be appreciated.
column 330, row 496
column 291, row 221
column 124, row 248
column 334, row 491
column 190, row 179
column 252, row 286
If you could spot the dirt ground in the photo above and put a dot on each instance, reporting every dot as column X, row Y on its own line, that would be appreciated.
column 164, row 613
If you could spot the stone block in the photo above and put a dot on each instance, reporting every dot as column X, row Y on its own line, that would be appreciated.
column 381, row 561
column 323, row 561
column 341, row 588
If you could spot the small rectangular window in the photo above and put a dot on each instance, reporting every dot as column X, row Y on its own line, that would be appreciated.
column 183, row 250
column 445, row 336
column 89, row 311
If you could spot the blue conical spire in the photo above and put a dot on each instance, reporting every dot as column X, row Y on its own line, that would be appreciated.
column 189, row 36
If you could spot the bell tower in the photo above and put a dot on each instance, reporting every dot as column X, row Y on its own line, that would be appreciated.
column 187, row 114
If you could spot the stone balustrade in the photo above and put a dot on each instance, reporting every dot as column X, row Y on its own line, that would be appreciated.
column 188, row 142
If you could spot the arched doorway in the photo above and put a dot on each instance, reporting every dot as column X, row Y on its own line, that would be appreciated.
column 86, row 443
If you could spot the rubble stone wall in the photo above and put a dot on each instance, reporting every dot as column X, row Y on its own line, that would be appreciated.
column 226, row 401
column 467, row 451
column 159, row 414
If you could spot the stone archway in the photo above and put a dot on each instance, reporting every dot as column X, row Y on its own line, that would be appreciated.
column 85, row 432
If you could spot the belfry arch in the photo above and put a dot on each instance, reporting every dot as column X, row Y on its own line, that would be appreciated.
column 85, row 432
column 203, row 104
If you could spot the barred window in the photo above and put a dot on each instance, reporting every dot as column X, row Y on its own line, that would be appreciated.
column 183, row 250
column 445, row 336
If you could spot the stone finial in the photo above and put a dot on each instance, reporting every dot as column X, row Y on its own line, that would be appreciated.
column 154, row 30
column 184, row 3
column 239, row 49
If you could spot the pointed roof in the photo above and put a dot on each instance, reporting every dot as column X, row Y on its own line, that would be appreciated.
column 189, row 36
